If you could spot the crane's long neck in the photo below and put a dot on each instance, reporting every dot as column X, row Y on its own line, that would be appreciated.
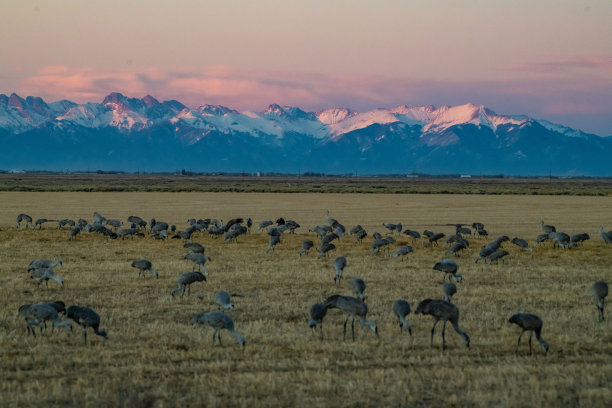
column 463, row 334
column 58, row 280
column 369, row 323
column 405, row 323
column 238, row 337
column 54, row 264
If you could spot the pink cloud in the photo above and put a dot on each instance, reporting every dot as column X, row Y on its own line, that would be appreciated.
column 542, row 96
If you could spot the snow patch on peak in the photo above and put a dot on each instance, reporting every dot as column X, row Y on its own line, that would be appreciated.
column 334, row 115
column 447, row 116
column 564, row 130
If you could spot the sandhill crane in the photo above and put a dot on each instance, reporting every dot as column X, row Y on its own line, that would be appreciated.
column 218, row 321
column 355, row 229
column 560, row 239
column 39, row 313
column 379, row 243
column 521, row 243
column 605, row 235
column 599, row 290
column 63, row 222
column 324, row 249
column 272, row 242
column 328, row 238
column 457, row 247
column 264, row 224
column 233, row 233
column 232, row 222
column 541, row 238
column 415, row 235
column 496, row 256
column 222, row 298
column 578, row 239
column 485, row 252
column 448, row 267
column 531, row 323
column 185, row 280
column 59, row 307
column 194, row 247
column 478, row 225
column 359, row 235
column 140, row 223
column 461, row 230
column 433, row 240
column 199, row 260
column 249, row 223
column 352, row 307
column 24, row 218
column 43, row 263
column 401, row 251
column 448, row 289
column 445, row 311
column 358, row 286
column 44, row 274
column 86, row 317
column 39, row 223
column 144, row 265
column 390, row 227
column 547, row 229
column 339, row 265
column 306, row 245
column 321, row 230
column 74, row 231
column 98, row 219
column 317, row 313
column 401, row 308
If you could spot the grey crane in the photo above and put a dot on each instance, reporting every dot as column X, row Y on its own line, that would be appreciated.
column 63, row 222
column 39, row 223
column 355, row 229
column 272, row 242
column 140, row 223
column 401, row 251
column 560, row 239
column 114, row 223
column 339, row 265
column 233, row 233
column 433, row 240
column 249, row 224
column 144, row 265
column 445, row 311
column 448, row 289
column 218, row 321
column 415, row 235
column 327, row 238
column 232, row 222
column 547, row 229
column 43, row 263
column 40, row 313
column 194, row 247
column 222, row 298
column 264, row 224
column 401, row 309
column 458, row 247
column 185, row 280
column 74, row 231
column 478, row 225
column 521, row 243
column 496, row 256
column 599, row 290
column 449, row 267
column 199, row 260
column 306, row 245
column 24, row 218
column 578, row 239
column 605, row 235
column 317, row 313
column 541, row 238
column 352, row 307
column 358, row 286
column 98, row 219
column 359, row 235
column 86, row 318
column 321, row 230
column 532, row 323
column 390, row 227
column 59, row 307
column 485, row 252
column 379, row 243
column 44, row 274
column 324, row 249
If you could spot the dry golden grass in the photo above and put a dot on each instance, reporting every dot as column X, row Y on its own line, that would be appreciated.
column 153, row 357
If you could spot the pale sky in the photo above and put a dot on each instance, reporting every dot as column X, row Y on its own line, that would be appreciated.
column 549, row 59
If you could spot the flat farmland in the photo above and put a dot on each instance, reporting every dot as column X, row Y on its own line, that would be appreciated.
column 154, row 357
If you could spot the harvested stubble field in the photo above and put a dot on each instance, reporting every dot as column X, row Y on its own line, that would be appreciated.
column 153, row 357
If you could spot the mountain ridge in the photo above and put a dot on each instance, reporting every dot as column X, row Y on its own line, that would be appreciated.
column 466, row 138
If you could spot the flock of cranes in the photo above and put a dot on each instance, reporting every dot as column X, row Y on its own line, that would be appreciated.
column 353, row 307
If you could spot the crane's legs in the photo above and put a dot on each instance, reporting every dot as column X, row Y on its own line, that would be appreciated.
column 353, row 327
column 85, row 335
column 443, row 330
column 432, row 333
column 530, row 334
column 344, row 336
column 519, row 341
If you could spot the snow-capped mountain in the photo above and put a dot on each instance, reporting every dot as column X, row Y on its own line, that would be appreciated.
column 124, row 133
